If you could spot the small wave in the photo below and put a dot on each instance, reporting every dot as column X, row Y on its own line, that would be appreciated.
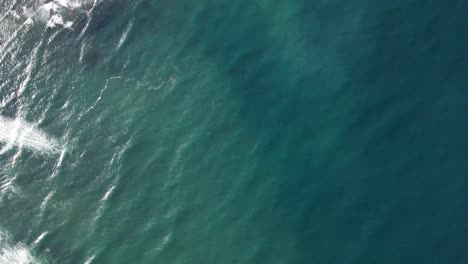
column 164, row 244
column 59, row 162
column 46, row 200
column 124, row 35
column 18, row 133
column 102, row 202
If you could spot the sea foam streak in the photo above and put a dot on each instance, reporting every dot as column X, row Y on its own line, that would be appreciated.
column 19, row 133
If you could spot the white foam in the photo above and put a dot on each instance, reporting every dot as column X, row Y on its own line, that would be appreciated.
column 88, row 261
column 15, row 14
column 40, row 238
column 102, row 92
column 55, row 13
column 29, row 21
column 89, row 14
column 59, row 162
column 164, row 243
column 14, row 254
column 51, row 6
column 46, row 200
column 17, row 254
column 69, row 3
column 19, row 133
column 55, row 20
column 108, row 193
column 68, row 24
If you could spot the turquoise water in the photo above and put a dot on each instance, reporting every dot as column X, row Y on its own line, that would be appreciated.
column 146, row 131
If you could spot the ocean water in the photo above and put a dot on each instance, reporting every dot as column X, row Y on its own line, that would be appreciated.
column 155, row 131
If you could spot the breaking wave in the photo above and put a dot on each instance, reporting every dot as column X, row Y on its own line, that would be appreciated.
column 19, row 133
column 15, row 254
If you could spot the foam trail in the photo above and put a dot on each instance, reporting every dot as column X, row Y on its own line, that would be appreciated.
column 89, row 14
column 18, row 133
column 59, row 162
column 108, row 193
column 40, row 238
column 102, row 92
column 124, row 35
column 46, row 200
column 88, row 261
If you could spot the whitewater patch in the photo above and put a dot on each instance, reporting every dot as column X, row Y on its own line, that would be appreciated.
column 21, row 134
column 58, row 20
column 59, row 12
column 52, row 14
column 14, row 254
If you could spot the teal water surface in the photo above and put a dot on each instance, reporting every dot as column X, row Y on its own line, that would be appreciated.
column 154, row 131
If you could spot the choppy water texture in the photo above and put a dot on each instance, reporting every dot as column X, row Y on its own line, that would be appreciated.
column 154, row 131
